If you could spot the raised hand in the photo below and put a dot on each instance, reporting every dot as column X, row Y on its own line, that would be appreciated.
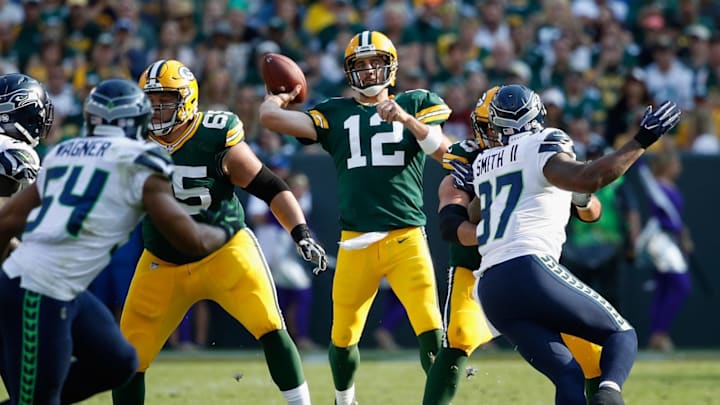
column 656, row 123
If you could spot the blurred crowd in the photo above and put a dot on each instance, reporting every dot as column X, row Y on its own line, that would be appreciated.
column 596, row 63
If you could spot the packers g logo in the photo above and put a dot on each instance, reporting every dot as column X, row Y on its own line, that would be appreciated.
column 185, row 73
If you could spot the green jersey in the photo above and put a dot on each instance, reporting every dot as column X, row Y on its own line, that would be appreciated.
column 462, row 256
column 379, row 164
column 198, row 181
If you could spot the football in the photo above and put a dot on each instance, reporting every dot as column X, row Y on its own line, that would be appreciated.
column 281, row 74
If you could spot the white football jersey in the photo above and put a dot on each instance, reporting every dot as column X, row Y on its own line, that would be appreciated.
column 18, row 161
column 522, row 213
column 91, row 192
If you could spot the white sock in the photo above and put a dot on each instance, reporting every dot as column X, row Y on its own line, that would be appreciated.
column 299, row 395
column 345, row 397
column 610, row 384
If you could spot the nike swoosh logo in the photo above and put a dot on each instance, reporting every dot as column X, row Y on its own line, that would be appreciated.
column 402, row 240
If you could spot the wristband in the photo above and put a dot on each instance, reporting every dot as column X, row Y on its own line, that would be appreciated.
column 432, row 140
column 451, row 217
column 645, row 138
column 300, row 232
column 585, row 208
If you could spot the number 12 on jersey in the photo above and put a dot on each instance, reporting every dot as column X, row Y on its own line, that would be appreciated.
column 513, row 183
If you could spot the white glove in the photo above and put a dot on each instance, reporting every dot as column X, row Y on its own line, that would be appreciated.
column 309, row 248
column 581, row 200
column 311, row 251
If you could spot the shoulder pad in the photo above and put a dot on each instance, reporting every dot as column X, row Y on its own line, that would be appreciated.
column 464, row 151
column 223, row 122
column 557, row 141
column 19, row 162
column 157, row 160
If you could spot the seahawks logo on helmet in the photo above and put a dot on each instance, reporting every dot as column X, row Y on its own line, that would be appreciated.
column 516, row 109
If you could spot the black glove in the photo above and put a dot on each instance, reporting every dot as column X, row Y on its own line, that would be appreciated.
column 656, row 123
column 309, row 249
column 226, row 217
column 463, row 176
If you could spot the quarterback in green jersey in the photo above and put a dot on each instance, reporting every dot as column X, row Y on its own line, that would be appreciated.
column 211, row 158
column 378, row 144
column 466, row 326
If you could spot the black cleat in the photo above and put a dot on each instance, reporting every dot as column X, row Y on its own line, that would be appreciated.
column 606, row 396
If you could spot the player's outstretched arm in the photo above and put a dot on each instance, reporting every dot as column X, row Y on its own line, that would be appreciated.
column 275, row 117
column 13, row 215
column 175, row 224
column 563, row 171
column 455, row 225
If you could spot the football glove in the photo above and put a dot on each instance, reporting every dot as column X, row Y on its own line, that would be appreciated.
column 463, row 176
column 226, row 218
column 655, row 123
column 581, row 200
column 309, row 249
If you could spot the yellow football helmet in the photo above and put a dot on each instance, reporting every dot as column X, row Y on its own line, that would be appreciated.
column 364, row 45
column 480, row 117
column 171, row 76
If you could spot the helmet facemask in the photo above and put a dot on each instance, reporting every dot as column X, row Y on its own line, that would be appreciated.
column 485, row 136
column 384, row 73
column 168, row 113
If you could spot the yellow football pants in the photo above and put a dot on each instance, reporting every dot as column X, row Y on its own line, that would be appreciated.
column 236, row 276
column 403, row 258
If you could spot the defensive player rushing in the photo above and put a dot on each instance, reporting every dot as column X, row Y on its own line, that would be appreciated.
column 466, row 326
column 90, row 194
column 26, row 115
column 211, row 159
column 524, row 188
column 378, row 144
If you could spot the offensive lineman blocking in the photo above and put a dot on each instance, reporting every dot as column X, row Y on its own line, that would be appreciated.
column 91, row 192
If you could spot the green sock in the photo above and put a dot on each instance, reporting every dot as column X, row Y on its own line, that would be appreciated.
column 591, row 386
column 132, row 393
column 283, row 359
column 429, row 347
column 444, row 376
column 343, row 364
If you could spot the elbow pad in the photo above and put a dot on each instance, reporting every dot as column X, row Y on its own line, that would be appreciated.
column 451, row 216
column 266, row 185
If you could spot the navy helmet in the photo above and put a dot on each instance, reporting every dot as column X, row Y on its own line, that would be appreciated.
column 26, row 111
column 117, row 107
column 516, row 109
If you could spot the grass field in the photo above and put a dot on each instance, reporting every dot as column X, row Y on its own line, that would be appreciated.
column 218, row 378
